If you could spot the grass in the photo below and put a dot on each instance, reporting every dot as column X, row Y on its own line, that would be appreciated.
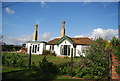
column 21, row 73
column 38, row 58
column 9, row 69
column 31, row 75
column 53, row 59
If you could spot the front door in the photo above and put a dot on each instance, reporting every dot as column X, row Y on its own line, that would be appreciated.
column 65, row 50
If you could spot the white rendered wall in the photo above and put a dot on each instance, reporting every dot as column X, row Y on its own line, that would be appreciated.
column 56, row 49
column 79, row 51
column 47, row 47
column 41, row 46
column 65, row 42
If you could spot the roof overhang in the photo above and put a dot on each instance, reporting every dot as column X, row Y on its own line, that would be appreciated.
column 35, row 42
column 65, row 38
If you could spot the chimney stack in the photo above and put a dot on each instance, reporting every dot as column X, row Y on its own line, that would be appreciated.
column 35, row 32
column 63, row 29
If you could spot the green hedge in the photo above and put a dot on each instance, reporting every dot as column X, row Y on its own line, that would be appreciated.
column 14, row 60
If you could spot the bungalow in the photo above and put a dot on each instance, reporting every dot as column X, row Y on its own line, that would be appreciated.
column 63, row 46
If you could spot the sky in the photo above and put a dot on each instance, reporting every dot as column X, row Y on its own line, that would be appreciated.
column 83, row 19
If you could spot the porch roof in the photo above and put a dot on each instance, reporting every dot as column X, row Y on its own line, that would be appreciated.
column 35, row 42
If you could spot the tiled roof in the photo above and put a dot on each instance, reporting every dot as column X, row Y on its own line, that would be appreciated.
column 80, row 40
column 54, row 41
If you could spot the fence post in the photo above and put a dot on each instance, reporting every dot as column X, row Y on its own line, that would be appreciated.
column 30, row 58
column 71, row 68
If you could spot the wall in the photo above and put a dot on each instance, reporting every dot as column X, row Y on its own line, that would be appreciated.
column 65, row 42
column 115, row 62
column 40, row 45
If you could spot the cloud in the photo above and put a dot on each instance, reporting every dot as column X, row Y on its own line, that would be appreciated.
column 43, row 5
column 22, row 39
column 99, row 32
column 106, row 34
column 45, row 37
column 17, row 40
column 9, row 11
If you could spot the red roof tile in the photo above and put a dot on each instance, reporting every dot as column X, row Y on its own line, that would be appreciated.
column 53, row 41
column 80, row 40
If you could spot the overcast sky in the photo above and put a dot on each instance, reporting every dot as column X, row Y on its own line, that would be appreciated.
column 83, row 19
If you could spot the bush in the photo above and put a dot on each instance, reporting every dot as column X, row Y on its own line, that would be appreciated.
column 88, row 76
column 118, row 69
column 48, row 67
column 48, row 52
column 34, row 67
column 94, row 65
column 76, row 57
column 116, row 51
column 96, row 61
column 14, row 60
column 11, row 48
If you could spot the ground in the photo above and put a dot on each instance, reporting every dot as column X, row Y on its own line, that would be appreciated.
column 22, row 73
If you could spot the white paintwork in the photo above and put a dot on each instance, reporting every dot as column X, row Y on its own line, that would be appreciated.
column 65, row 42
column 47, row 47
column 42, row 46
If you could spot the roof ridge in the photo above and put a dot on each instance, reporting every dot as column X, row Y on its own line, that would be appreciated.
column 79, row 37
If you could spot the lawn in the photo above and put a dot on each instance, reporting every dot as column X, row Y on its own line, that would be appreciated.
column 25, row 74
column 53, row 59
column 30, row 75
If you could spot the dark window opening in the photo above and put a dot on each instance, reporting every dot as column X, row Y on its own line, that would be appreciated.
column 35, row 48
column 38, row 47
column 65, row 50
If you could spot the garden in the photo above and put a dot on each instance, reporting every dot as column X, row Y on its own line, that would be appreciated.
column 96, row 64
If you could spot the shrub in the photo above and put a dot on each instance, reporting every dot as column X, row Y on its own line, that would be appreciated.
column 96, row 61
column 118, row 69
column 48, row 52
column 11, row 48
column 115, row 42
column 88, row 76
column 48, row 67
column 34, row 67
column 76, row 57
column 117, row 52
column 14, row 60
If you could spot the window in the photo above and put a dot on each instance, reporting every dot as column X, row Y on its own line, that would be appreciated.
column 35, row 48
column 83, row 49
column 51, row 47
column 65, row 50
column 38, row 48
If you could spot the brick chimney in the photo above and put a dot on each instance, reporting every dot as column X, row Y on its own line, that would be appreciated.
column 63, row 29
column 35, row 33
